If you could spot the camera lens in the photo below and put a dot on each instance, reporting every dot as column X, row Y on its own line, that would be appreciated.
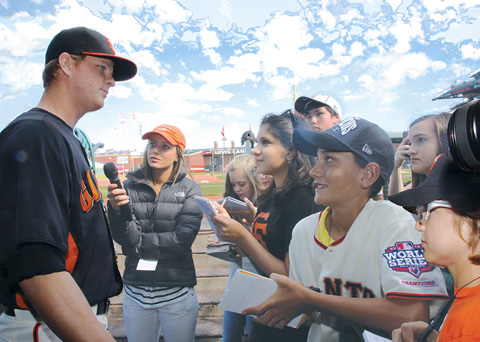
column 463, row 136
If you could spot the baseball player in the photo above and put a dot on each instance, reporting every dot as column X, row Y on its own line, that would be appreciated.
column 57, row 261
column 321, row 111
column 362, row 254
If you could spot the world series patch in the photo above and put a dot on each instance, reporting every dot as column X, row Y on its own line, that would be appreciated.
column 408, row 257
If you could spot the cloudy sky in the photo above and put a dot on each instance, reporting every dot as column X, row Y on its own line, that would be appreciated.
column 205, row 64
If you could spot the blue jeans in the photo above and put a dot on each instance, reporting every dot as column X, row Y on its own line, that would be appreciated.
column 233, row 323
column 177, row 321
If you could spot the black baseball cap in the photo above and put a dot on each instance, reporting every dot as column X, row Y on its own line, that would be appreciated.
column 359, row 136
column 445, row 181
column 84, row 41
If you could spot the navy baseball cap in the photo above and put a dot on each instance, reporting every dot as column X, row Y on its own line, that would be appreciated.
column 359, row 136
column 445, row 181
column 84, row 41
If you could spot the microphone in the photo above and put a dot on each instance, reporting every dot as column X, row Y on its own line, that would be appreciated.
column 111, row 172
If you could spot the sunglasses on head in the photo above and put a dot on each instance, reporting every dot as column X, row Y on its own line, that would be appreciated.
column 424, row 210
column 290, row 115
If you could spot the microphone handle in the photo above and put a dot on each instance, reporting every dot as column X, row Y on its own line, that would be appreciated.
column 125, row 209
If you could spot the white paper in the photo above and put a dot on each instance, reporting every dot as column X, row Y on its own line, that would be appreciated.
column 207, row 208
column 368, row 336
column 147, row 265
column 247, row 290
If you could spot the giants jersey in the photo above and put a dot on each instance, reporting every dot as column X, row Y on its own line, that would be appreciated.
column 51, row 198
column 380, row 257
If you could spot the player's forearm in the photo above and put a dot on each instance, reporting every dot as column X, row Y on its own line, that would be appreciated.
column 61, row 304
column 376, row 313
column 262, row 257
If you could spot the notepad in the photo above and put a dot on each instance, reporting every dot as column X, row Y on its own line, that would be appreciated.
column 232, row 203
column 208, row 209
column 224, row 251
column 249, row 289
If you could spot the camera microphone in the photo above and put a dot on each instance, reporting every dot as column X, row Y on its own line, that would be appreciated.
column 110, row 170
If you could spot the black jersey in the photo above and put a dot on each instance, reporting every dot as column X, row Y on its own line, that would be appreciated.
column 51, row 203
column 274, row 223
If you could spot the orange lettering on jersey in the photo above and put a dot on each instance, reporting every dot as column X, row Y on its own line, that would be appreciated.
column 354, row 288
column 86, row 199
column 263, row 215
column 333, row 287
column 259, row 231
column 89, row 195
column 92, row 181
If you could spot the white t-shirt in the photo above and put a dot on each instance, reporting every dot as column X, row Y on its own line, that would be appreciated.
column 381, row 256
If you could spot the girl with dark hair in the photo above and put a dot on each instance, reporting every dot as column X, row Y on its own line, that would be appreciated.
column 285, row 202
column 426, row 139
column 159, row 272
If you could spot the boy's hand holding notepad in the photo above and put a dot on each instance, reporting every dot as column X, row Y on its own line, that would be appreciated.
column 248, row 290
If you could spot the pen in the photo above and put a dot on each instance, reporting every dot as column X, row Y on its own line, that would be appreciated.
column 438, row 319
column 313, row 288
column 224, row 201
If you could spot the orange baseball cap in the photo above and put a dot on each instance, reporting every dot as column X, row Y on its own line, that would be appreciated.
column 171, row 133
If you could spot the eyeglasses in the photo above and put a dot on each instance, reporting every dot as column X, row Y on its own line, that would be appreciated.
column 424, row 210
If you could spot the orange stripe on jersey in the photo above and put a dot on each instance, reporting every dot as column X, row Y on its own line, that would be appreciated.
column 419, row 296
column 72, row 254
column 35, row 332
column 22, row 301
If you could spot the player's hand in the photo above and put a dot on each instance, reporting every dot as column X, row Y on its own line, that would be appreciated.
column 116, row 197
column 402, row 153
column 228, row 229
column 286, row 303
column 411, row 332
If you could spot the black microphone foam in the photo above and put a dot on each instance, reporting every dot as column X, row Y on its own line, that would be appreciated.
column 110, row 170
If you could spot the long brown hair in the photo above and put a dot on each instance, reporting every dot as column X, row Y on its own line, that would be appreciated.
column 440, row 122
column 178, row 166
column 281, row 127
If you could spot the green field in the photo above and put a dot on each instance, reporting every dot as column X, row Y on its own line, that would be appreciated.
column 214, row 189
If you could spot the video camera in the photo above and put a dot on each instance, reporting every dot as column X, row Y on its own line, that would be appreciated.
column 463, row 136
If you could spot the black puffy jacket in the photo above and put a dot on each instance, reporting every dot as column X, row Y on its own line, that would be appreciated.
column 163, row 229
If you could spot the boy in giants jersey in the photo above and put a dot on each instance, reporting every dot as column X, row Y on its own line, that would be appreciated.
column 362, row 254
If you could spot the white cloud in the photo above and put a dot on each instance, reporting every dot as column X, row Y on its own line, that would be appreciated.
column 367, row 82
column 120, row 91
column 395, row 69
column 470, row 51
column 282, row 87
column 253, row 103
column 19, row 75
column 404, row 32
column 214, row 56
column 232, row 112
column 209, row 39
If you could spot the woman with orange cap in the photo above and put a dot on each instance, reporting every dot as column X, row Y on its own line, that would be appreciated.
column 159, row 272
